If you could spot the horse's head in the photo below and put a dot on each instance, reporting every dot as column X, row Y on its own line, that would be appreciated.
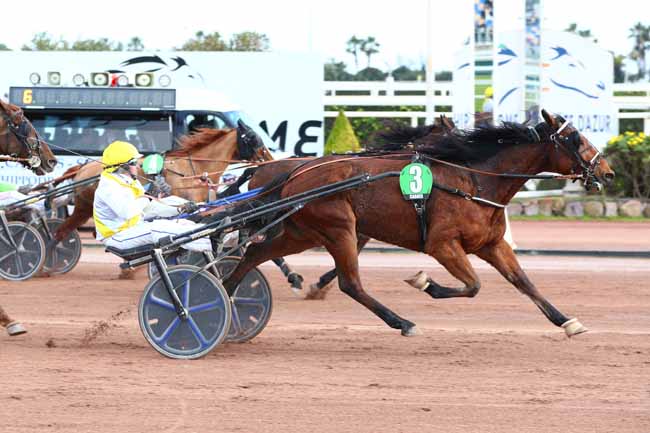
column 250, row 145
column 573, row 153
column 19, row 139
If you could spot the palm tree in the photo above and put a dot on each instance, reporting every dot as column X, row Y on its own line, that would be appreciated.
column 353, row 48
column 641, row 36
column 135, row 44
column 369, row 47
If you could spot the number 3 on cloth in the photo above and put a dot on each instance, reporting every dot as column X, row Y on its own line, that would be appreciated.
column 415, row 181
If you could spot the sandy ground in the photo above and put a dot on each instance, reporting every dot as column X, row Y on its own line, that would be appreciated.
column 488, row 364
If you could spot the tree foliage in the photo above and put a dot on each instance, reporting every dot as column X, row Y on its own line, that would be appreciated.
column 342, row 138
column 641, row 42
column 249, row 41
column 43, row 41
column 371, row 74
column 205, row 42
column 244, row 41
column 369, row 47
column 585, row 33
column 353, row 47
column 101, row 44
column 135, row 44
column 336, row 71
column 630, row 154
column 3, row 47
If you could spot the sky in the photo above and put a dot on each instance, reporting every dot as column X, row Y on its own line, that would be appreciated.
column 321, row 26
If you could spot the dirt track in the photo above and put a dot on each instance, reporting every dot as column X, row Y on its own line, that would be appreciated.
column 489, row 364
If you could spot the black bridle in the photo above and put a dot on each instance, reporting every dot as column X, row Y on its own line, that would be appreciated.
column 19, row 127
column 571, row 144
column 248, row 142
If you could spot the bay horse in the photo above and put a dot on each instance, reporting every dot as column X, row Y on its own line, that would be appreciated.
column 20, row 142
column 460, row 221
column 396, row 137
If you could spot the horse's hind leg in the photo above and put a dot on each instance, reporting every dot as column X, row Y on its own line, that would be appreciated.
column 452, row 256
column 294, row 278
column 344, row 252
column 501, row 256
column 281, row 246
column 320, row 289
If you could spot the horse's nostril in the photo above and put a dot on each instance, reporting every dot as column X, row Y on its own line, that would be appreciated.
column 609, row 177
column 51, row 162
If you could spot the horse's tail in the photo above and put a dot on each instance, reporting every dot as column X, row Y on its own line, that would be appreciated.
column 69, row 173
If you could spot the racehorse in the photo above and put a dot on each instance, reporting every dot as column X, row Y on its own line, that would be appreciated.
column 206, row 151
column 396, row 137
column 20, row 142
column 464, row 212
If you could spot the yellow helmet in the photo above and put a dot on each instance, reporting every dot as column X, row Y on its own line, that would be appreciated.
column 119, row 152
column 488, row 92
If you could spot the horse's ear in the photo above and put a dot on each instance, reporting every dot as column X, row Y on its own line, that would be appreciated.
column 550, row 119
column 447, row 123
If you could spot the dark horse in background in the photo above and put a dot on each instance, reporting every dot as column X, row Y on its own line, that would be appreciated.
column 20, row 142
column 456, row 226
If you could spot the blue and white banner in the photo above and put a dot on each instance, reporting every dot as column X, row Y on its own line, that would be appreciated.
column 576, row 82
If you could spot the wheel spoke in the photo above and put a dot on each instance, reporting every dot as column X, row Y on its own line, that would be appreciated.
column 197, row 332
column 19, row 265
column 235, row 322
column 22, row 239
column 9, row 254
column 186, row 294
column 248, row 301
column 207, row 306
column 162, row 303
column 168, row 332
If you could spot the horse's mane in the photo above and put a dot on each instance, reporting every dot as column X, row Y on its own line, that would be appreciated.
column 398, row 136
column 197, row 140
column 476, row 144
column 480, row 143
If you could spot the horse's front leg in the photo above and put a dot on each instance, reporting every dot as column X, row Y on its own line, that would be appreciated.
column 13, row 328
column 501, row 256
column 452, row 256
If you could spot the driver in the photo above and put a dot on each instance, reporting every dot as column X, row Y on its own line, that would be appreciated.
column 120, row 205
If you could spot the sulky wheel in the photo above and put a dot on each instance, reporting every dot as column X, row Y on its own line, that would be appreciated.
column 208, row 307
column 26, row 258
column 64, row 256
column 252, row 302
column 180, row 257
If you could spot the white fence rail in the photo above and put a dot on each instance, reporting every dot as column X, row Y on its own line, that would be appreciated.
column 414, row 94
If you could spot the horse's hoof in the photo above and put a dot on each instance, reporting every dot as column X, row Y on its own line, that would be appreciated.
column 573, row 327
column 420, row 280
column 295, row 280
column 411, row 331
column 316, row 293
column 15, row 328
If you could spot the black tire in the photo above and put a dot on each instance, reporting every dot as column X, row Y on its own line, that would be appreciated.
column 65, row 255
column 25, row 261
column 252, row 302
column 209, row 314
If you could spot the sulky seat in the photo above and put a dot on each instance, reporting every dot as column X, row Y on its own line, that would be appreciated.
column 129, row 254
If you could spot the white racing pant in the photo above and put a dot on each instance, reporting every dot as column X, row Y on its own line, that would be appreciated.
column 149, row 232
column 9, row 197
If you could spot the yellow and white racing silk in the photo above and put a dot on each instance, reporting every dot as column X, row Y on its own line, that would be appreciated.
column 118, row 205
